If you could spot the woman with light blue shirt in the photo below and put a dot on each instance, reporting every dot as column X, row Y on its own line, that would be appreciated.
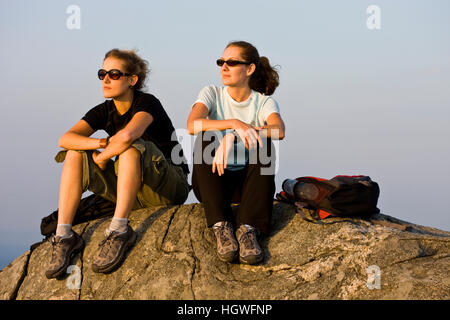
column 239, row 166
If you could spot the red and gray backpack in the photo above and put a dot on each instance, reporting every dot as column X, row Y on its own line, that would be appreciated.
column 341, row 196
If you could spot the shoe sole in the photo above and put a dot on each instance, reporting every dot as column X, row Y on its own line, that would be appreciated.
column 228, row 258
column 78, row 248
column 120, row 258
column 251, row 259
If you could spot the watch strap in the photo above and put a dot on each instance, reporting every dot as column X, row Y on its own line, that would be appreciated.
column 104, row 142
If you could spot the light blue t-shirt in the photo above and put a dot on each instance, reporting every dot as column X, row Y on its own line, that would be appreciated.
column 253, row 111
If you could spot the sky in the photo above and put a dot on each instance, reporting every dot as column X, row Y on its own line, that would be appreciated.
column 361, row 92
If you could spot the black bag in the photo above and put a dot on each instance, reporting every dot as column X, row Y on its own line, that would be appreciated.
column 90, row 208
column 341, row 196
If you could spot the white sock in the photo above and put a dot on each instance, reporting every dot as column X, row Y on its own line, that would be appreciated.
column 64, row 230
column 249, row 227
column 218, row 224
column 118, row 225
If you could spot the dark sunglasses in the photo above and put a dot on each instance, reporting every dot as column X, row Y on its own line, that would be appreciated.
column 114, row 74
column 231, row 63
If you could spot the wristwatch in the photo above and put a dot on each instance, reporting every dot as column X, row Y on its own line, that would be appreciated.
column 104, row 142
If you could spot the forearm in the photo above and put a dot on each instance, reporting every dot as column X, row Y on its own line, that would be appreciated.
column 117, row 144
column 74, row 141
column 200, row 125
column 274, row 132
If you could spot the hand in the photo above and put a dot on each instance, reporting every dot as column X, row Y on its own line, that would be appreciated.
column 248, row 134
column 221, row 156
column 101, row 164
column 260, row 128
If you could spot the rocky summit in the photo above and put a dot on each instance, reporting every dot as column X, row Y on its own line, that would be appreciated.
column 175, row 258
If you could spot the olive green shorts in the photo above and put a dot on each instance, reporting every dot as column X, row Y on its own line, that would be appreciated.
column 162, row 182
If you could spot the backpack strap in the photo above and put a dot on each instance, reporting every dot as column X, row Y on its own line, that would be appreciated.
column 308, row 213
column 302, row 210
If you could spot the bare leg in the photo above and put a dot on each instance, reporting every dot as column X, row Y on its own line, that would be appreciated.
column 70, row 191
column 128, row 181
column 121, row 236
column 70, row 187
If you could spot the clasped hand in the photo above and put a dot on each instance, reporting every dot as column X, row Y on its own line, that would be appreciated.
column 102, row 164
column 247, row 133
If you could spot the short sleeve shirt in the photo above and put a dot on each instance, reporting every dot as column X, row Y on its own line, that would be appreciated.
column 106, row 117
column 253, row 111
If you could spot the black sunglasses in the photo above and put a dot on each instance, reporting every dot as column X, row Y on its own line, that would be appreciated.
column 231, row 63
column 114, row 74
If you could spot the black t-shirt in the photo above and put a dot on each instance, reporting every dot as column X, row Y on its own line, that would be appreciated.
column 105, row 117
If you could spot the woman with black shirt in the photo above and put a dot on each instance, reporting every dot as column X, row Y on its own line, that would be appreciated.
column 142, row 175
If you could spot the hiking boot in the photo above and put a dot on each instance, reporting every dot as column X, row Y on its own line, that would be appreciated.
column 227, row 246
column 112, row 250
column 249, row 250
column 63, row 249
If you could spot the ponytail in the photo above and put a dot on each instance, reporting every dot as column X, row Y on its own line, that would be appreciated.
column 265, row 79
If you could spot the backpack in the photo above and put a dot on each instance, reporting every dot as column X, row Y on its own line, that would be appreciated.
column 90, row 208
column 341, row 196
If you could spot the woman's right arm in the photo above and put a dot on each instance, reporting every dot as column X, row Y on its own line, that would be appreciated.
column 77, row 138
column 198, row 122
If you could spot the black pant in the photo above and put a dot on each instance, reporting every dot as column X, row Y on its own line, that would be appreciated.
column 249, row 187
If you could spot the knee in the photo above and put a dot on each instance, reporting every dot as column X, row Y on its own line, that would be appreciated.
column 130, row 153
column 73, row 155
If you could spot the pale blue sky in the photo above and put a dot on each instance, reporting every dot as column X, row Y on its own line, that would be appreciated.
column 355, row 101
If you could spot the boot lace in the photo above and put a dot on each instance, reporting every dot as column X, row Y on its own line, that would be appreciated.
column 105, row 244
column 57, row 246
column 224, row 233
column 248, row 238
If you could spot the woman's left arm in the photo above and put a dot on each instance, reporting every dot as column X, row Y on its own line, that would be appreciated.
column 125, row 137
column 274, row 129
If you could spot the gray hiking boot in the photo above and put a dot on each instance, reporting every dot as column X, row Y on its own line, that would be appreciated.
column 227, row 246
column 112, row 250
column 249, row 250
column 63, row 249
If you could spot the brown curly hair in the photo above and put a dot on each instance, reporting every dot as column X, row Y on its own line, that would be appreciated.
column 133, row 65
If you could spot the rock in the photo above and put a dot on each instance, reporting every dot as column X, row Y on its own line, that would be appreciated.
column 174, row 258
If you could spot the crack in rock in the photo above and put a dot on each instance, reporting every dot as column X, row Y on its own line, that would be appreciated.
column 82, row 263
column 22, row 276
column 168, row 227
column 194, row 267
